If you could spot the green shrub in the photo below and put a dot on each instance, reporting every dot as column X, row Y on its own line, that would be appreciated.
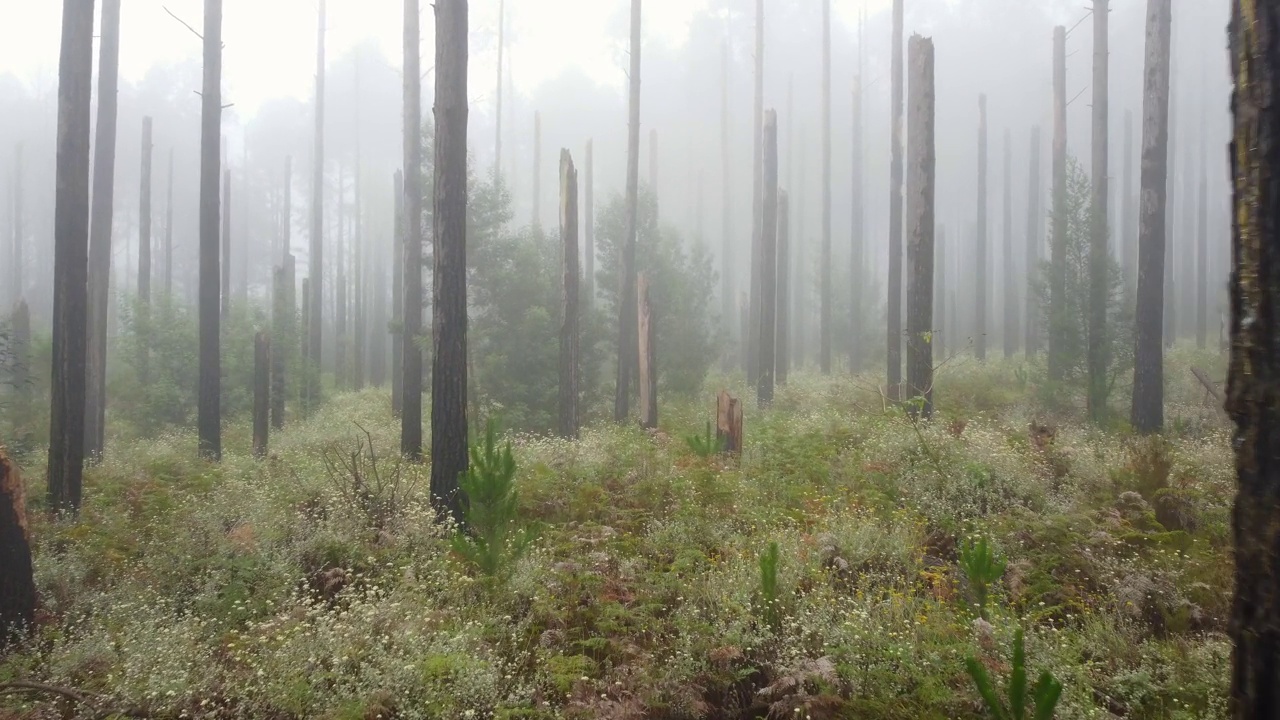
column 769, row 585
column 490, row 539
column 982, row 566
column 705, row 446
column 1044, row 694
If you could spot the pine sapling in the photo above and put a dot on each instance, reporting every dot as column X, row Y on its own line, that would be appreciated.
column 1044, row 694
column 491, row 540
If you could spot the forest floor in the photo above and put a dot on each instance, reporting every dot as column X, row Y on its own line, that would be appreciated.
column 259, row 589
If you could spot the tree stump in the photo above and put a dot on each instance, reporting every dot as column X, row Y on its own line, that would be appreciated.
column 729, row 423
column 648, row 357
column 17, row 584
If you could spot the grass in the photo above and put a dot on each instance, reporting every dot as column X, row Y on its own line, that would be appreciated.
column 254, row 589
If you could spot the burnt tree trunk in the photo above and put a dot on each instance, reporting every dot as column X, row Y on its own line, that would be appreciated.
column 144, row 256
column 783, row 324
column 17, row 580
column 449, row 291
column 768, row 264
column 729, row 423
column 1147, row 414
column 225, row 267
column 727, row 256
column 1254, row 376
column 1058, row 260
column 261, row 392
column 627, row 350
column 940, row 331
column 894, row 307
column 1009, row 335
column 980, row 285
column 104, row 162
column 824, row 277
column 921, row 164
column 1035, row 247
column 168, row 233
column 411, row 263
column 570, row 305
column 589, row 230
column 1099, row 259
column 757, row 204
column 1127, row 233
column 209, row 420
column 315, row 257
column 397, row 298
column 646, row 337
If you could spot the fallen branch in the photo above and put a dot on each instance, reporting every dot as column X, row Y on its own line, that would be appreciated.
column 15, row 686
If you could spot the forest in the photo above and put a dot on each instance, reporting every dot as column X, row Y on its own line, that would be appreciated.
column 639, row 359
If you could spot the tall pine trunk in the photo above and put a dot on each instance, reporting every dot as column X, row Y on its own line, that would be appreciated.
column 648, row 356
column 588, row 228
column 225, row 272
column 1035, row 246
column 315, row 259
column 104, row 162
column 627, row 319
column 757, row 207
column 980, row 286
column 1099, row 259
column 1127, row 234
column 397, row 298
column 209, row 413
column 168, row 232
column 768, row 264
column 727, row 255
column 449, row 289
column 921, row 163
column 1147, row 414
column 895, row 209
column 1058, row 251
column 783, row 340
column 569, row 297
column 1010, row 333
column 411, row 307
column 824, row 286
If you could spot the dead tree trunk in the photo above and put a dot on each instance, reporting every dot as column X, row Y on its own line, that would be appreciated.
column 209, row 413
column 1170, row 224
column 980, row 285
column 894, row 306
column 589, row 230
column 1202, row 252
column 261, row 392
column 647, row 337
column 144, row 256
column 653, row 163
column 857, row 250
column 1058, row 261
column 769, row 264
column 570, row 304
column 1253, row 392
column 727, row 256
column 397, row 298
column 627, row 350
column 315, row 259
column 411, row 307
column 1127, row 233
column 278, row 297
column 1035, row 247
column 225, row 267
column 16, row 272
column 449, row 291
column 729, row 423
column 1099, row 259
column 757, row 207
column 168, row 233
column 921, row 164
column 1010, row 333
column 824, row 281
column 941, row 331
column 104, row 162
column 1147, row 414
column 305, row 384
column 783, row 324
column 17, row 580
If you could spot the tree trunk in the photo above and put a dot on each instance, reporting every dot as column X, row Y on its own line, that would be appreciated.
column 397, row 299
column 921, row 165
column 261, row 392
column 653, row 164
column 941, row 332
column 980, row 285
column 411, row 266
column 315, row 259
column 210, row 408
column 1099, row 259
column 783, row 324
column 1010, row 333
column 570, row 305
column 824, row 277
column 1171, row 190
column 769, row 264
column 104, row 161
column 1253, row 391
column 360, row 336
column 894, row 307
column 727, row 256
column 225, row 273
column 627, row 350
column 168, row 233
column 858, row 234
column 17, row 581
column 278, row 309
column 17, row 277
column 1147, row 414
column 729, row 423
column 757, row 207
column 1127, row 234
column 537, row 170
column 305, row 385
column 1202, row 251
column 20, row 326
column 648, row 356
column 1058, row 261
column 589, row 230
column 340, row 340
column 144, row 218
column 449, row 298
column 1035, row 246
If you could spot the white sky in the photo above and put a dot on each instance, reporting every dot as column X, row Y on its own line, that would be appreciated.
column 270, row 44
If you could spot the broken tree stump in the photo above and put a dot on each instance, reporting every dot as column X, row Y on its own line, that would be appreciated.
column 17, row 583
column 729, row 423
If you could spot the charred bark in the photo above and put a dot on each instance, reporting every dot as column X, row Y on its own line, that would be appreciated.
column 627, row 349
column 895, row 209
column 411, row 265
column 17, row 580
column 1099, row 259
column 570, row 305
column 1058, row 260
column 209, row 420
column 921, row 163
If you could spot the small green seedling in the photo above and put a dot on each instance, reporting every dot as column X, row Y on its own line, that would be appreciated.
column 983, row 567
column 705, row 446
column 769, row 585
column 1044, row 694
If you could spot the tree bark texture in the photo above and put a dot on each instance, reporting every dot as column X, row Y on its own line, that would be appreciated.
column 824, row 281
column 570, row 304
column 411, row 265
column 1035, row 247
column 17, row 581
column 1099, row 259
column 1058, row 259
column 627, row 349
column 783, row 324
column 921, row 163
column 894, row 306
column 209, row 413
column 647, row 337
column 261, row 392
column 765, row 365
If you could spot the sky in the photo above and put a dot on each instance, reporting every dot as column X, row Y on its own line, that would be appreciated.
column 545, row 38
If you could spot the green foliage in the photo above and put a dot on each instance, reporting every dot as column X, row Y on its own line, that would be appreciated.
column 705, row 446
column 982, row 566
column 772, row 614
column 1044, row 694
column 490, row 541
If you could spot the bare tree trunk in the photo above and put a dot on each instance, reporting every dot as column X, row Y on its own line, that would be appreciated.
column 537, row 170
column 17, row 277
column 315, row 260
column 210, row 408
column 570, row 279
column 921, row 165
column 1202, row 249
column 261, row 392
column 1127, row 234
column 1009, row 335
column 980, row 302
column 589, row 230
column 653, row 164
column 1253, row 397
column 278, row 309
column 1099, row 259
column 449, row 291
column 941, row 331
column 627, row 350
column 225, row 274
column 1147, row 414
column 757, row 207
column 894, row 307
column 1058, row 261
column 646, row 338
column 497, row 129
column 305, row 386
column 1171, row 192
column 857, row 249
column 1035, row 246
column 17, row 580
column 340, row 340
column 769, row 264
column 397, row 298
column 411, row 308
column 168, row 233
column 104, row 162
column 727, row 275
column 783, row 324
column 824, row 281
column 144, row 217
